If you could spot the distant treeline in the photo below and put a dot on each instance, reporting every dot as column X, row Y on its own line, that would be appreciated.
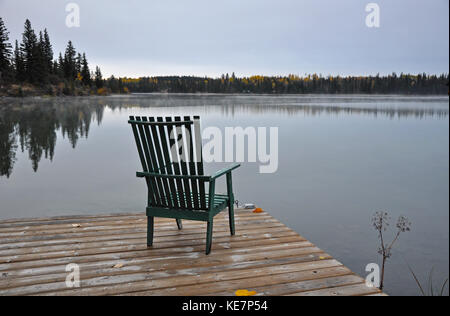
column 30, row 66
column 393, row 84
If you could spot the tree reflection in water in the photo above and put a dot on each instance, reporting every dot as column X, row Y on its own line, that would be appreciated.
column 33, row 127
column 32, row 123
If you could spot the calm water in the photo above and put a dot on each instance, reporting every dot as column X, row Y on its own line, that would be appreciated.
column 340, row 160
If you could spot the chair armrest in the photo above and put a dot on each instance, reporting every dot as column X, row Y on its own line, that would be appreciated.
column 216, row 175
column 225, row 171
column 212, row 181
column 170, row 176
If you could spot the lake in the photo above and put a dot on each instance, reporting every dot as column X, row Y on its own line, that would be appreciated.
column 341, row 159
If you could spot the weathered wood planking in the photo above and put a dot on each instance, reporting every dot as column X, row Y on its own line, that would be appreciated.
column 264, row 256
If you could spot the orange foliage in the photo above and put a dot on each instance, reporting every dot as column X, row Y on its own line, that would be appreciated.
column 102, row 91
column 245, row 293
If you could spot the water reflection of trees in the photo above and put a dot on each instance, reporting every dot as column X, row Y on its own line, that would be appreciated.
column 376, row 106
column 317, row 110
column 33, row 124
column 33, row 127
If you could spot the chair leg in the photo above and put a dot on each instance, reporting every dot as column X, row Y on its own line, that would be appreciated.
column 231, row 217
column 230, row 202
column 209, row 232
column 150, row 230
column 179, row 224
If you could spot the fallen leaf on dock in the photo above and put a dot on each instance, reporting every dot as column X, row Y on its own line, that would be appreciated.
column 322, row 258
column 118, row 266
column 258, row 210
column 244, row 293
column 76, row 225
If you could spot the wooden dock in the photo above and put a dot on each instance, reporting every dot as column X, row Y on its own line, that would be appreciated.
column 265, row 256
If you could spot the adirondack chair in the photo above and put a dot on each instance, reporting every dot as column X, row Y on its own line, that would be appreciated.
column 172, row 165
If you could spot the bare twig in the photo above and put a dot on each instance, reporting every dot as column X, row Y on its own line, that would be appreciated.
column 381, row 222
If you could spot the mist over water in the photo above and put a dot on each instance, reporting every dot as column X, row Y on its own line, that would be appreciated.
column 341, row 158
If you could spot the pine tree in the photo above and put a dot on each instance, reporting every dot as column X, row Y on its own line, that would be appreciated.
column 59, row 70
column 55, row 67
column 78, row 62
column 85, row 73
column 5, row 52
column 41, row 67
column 19, row 65
column 48, row 51
column 98, row 78
column 120, row 86
column 70, row 62
column 29, row 49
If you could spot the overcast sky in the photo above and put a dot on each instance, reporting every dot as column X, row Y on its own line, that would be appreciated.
column 267, row 37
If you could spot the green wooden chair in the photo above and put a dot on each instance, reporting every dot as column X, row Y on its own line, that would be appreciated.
column 171, row 155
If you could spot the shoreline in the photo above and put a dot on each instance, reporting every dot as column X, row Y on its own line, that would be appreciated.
column 48, row 96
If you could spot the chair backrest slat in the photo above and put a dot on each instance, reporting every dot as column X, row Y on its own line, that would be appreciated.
column 174, row 137
column 142, row 157
column 161, row 163
column 148, row 164
column 153, row 164
column 168, row 163
column 199, row 161
column 139, row 146
column 192, row 169
column 184, row 168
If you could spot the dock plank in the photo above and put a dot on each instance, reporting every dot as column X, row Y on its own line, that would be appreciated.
column 264, row 255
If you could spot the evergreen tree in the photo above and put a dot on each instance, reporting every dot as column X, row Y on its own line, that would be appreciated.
column 41, row 67
column 70, row 62
column 48, row 51
column 85, row 73
column 32, row 61
column 61, row 66
column 113, row 84
column 8, row 147
column 29, row 49
column 5, row 52
column 98, row 78
column 55, row 67
column 120, row 86
column 78, row 62
column 19, row 65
